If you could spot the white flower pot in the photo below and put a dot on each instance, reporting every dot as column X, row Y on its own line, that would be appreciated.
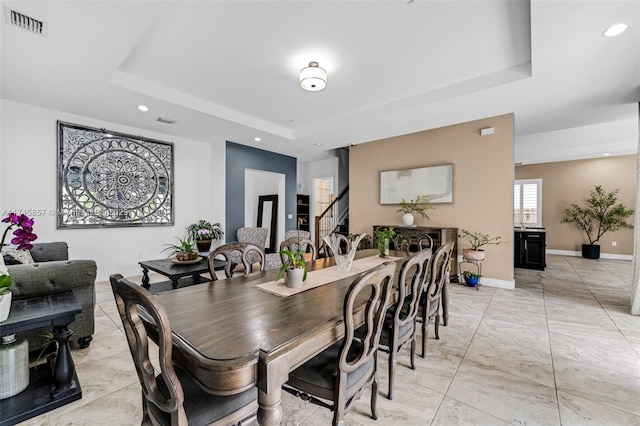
column 5, row 306
column 407, row 219
column 470, row 254
column 294, row 277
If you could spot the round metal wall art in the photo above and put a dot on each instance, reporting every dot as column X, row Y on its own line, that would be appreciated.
column 113, row 180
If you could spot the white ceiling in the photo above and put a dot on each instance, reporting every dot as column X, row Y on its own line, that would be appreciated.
column 229, row 70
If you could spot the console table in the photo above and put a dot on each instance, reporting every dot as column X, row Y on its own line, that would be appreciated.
column 439, row 235
column 46, row 390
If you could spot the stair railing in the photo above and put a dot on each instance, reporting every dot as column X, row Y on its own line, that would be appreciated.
column 328, row 221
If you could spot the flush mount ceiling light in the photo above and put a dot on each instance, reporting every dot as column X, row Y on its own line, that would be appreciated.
column 143, row 108
column 313, row 78
column 615, row 30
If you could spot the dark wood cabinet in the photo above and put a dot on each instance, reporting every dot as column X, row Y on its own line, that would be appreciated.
column 529, row 249
column 439, row 236
column 302, row 212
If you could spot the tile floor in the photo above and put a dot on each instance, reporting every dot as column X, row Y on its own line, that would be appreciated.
column 559, row 349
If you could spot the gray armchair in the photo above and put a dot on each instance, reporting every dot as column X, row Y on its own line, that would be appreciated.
column 53, row 272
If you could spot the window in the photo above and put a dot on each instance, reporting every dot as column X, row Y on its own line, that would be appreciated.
column 527, row 202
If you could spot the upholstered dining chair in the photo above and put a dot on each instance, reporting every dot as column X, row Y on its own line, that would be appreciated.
column 431, row 299
column 400, row 321
column 251, row 235
column 341, row 372
column 295, row 243
column 248, row 254
column 171, row 397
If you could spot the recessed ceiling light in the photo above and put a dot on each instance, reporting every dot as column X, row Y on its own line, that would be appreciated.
column 615, row 30
column 257, row 139
column 317, row 144
column 606, row 154
column 143, row 108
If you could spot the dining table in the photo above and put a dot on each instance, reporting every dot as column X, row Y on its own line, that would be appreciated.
column 230, row 335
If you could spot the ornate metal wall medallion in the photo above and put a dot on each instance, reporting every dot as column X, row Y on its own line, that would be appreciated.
column 108, row 179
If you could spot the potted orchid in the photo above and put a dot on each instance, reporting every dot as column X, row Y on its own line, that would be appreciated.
column 22, row 238
column 203, row 233
column 294, row 267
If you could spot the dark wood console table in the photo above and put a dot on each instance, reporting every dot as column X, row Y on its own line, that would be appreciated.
column 46, row 390
column 439, row 236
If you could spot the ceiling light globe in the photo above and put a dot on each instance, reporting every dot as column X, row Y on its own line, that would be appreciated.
column 313, row 78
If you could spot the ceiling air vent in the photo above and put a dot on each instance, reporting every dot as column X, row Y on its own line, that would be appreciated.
column 166, row 120
column 25, row 22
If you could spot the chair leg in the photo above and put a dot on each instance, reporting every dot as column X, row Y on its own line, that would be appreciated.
column 437, row 326
column 374, row 399
column 425, row 331
column 413, row 353
column 392, row 370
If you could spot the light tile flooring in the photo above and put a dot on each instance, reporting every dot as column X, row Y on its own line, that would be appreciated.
column 559, row 349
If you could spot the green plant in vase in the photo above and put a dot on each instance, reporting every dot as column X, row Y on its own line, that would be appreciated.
column 294, row 267
column 383, row 237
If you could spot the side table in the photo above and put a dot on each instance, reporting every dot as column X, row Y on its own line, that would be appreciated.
column 46, row 390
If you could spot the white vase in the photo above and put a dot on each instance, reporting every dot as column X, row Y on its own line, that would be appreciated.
column 294, row 277
column 5, row 306
column 407, row 219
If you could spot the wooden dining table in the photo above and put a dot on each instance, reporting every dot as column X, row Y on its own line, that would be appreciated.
column 231, row 336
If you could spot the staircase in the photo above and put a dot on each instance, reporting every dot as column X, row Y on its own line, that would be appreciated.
column 330, row 221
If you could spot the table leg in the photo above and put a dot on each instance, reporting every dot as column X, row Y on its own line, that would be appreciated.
column 196, row 278
column 145, row 278
column 270, row 407
column 174, row 283
column 63, row 370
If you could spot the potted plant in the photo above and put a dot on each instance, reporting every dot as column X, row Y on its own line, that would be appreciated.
column 183, row 251
column 294, row 267
column 383, row 237
column 476, row 240
column 471, row 278
column 601, row 214
column 414, row 206
column 203, row 233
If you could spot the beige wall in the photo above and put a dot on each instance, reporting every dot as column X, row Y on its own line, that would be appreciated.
column 570, row 182
column 482, row 183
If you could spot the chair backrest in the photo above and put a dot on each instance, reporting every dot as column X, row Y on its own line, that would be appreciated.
column 379, row 282
column 438, row 276
column 294, row 243
column 298, row 234
column 411, row 283
column 129, row 297
column 417, row 241
column 248, row 253
column 255, row 236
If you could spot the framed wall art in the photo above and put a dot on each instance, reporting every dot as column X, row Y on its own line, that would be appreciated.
column 111, row 179
column 435, row 181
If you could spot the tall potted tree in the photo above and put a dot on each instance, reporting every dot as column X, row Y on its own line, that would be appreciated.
column 600, row 215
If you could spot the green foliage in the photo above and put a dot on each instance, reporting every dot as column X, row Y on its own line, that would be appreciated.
column 204, row 230
column 478, row 239
column 417, row 206
column 600, row 215
column 385, row 234
column 5, row 283
column 295, row 259
column 184, row 246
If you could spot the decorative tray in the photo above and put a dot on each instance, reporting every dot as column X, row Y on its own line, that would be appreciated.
column 185, row 262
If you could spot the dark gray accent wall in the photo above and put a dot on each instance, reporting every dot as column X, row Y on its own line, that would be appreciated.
column 241, row 157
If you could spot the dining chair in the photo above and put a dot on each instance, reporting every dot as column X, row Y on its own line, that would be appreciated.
column 295, row 243
column 172, row 397
column 247, row 253
column 400, row 321
column 252, row 235
column 431, row 299
column 340, row 373
column 274, row 260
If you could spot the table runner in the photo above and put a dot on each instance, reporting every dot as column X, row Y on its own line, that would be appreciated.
column 324, row 276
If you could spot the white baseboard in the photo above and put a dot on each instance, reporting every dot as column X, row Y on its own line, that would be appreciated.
column 492, row 282
column 579, row 254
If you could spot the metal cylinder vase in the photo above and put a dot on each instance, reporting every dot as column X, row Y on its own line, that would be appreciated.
column 14, row 366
